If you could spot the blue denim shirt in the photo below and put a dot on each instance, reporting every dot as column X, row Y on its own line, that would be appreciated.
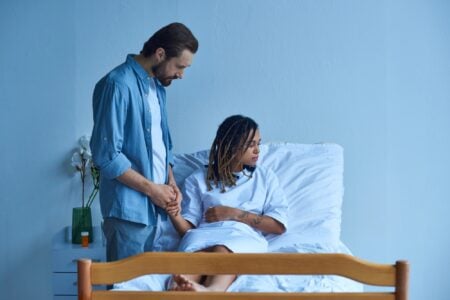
column 121, row 139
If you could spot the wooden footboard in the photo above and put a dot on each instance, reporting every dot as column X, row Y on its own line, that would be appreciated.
column 90, row 274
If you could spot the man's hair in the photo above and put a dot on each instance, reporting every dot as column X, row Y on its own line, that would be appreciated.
column 173, row 38
column 228, row 146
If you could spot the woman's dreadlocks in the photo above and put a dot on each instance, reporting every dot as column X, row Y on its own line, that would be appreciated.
column 227, row 148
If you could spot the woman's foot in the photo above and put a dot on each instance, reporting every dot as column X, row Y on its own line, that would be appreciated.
column 185, row 284
column 172, row 284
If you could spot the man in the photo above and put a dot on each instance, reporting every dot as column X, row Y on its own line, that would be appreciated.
column 131, row 143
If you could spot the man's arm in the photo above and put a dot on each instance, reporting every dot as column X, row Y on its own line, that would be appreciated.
column 174, row 209
column 161, row 195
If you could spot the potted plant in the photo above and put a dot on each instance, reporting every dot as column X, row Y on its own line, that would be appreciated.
column 81, row 216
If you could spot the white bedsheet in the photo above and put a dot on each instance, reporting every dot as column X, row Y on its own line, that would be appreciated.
column 312, row 178
column 267, row 283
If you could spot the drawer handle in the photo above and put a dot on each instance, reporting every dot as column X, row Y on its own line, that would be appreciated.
column 96, row 260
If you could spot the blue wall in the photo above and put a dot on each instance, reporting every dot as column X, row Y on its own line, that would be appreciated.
column 372, row 76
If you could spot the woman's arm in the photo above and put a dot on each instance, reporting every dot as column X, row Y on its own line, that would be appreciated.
column 262, row 223
column 180, row 224
column 192, row 208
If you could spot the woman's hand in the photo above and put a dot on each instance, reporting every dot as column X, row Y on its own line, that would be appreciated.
column 162, row 195
column 222, row 213
column 262, row 223
column 174, row 208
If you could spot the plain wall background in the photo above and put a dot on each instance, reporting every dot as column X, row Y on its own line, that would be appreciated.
column 372, row 76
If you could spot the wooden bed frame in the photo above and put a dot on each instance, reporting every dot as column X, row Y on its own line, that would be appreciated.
column 89, row 274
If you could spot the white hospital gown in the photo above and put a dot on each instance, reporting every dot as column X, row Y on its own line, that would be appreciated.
column 259, row 194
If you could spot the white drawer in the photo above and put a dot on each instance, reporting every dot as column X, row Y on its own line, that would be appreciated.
column 66, row 284
column 66, row 261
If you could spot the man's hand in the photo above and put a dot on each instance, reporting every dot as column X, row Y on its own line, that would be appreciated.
column 166, row 196
column 163, row 195
column 222, row 213
column 174, row 208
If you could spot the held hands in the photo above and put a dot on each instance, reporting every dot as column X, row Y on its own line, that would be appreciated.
column 167, row 197
column 175, row 207
column 222, row 213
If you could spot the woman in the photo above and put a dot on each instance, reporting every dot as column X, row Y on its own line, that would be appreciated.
column 229, row 205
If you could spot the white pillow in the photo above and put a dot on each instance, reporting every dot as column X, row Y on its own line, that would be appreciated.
column 312, row 178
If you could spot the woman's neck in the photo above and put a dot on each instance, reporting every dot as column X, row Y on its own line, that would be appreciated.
column 238, row 168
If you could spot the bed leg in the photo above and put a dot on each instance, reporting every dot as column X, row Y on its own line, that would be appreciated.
column 84, row 279
column 401, row 280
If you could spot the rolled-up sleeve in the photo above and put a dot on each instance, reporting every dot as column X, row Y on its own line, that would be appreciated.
column 110, row 110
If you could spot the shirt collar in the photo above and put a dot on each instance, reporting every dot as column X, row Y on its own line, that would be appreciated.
column 137, row 67
column 140, row 70
column 247, row 171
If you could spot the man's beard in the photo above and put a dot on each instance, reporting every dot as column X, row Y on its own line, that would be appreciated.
column 157, row 71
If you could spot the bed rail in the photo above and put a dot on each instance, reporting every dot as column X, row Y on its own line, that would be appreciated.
column 90, row 274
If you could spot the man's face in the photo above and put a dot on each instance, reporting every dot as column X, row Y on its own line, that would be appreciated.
column 172, row 68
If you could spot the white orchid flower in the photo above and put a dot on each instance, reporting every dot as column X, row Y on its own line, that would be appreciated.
column 87, row 157
column 82, row 161
column 86, row 154
column 84, row 142
column 76, row 161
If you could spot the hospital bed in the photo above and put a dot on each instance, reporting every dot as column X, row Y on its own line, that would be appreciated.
column 309, row 261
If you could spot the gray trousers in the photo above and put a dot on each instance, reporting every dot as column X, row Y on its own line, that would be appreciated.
column 125, row 238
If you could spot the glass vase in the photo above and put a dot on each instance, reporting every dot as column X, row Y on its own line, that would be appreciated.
column 81, row 221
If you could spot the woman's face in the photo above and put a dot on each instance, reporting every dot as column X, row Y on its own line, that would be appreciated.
column 251, row 155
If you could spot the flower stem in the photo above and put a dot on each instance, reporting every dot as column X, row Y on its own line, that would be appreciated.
column 82, row 188
column 92, row 197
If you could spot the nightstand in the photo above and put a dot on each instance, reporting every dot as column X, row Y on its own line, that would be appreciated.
column 64, row 259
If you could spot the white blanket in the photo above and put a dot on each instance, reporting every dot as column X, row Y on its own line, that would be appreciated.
column 312, row 178
column 266, row 283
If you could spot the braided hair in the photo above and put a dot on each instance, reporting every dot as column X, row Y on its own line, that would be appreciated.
column 227, row 148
